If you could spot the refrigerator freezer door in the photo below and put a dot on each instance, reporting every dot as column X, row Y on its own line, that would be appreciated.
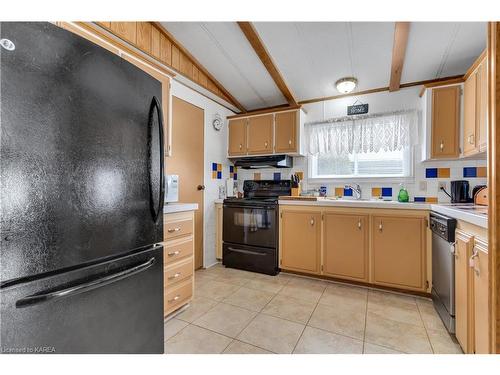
column 80, row 157
column 111, row 307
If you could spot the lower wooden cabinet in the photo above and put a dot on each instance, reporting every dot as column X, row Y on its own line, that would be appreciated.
column 463, row 313
column 178, row 260
column 347, row 258
column 472, row 318
column 398, row 251
column 377, row 246
column 301, row 241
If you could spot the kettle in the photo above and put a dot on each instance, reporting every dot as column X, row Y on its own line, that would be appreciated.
column 460, row 191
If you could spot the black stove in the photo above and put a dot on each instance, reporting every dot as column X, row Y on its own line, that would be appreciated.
column 250, row 227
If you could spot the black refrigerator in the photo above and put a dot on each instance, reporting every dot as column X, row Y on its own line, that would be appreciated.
column 82, row 185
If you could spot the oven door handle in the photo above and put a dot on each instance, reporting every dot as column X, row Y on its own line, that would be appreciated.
column 251, row 207
column 246, row 251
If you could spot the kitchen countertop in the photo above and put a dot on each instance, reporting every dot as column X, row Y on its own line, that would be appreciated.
column 357, row 203
column 477, row 215
column 169, row 208
column 220, row 200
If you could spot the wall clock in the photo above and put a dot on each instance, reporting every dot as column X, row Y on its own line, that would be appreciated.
column 217, row 122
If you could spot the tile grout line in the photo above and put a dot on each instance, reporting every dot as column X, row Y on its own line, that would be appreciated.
column 425, row 328
column 366, row 319
column 308, row 320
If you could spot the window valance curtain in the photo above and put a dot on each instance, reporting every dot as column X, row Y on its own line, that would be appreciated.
column 361, row 134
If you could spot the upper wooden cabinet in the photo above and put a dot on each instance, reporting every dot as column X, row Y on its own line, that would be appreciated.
column 301, row 241
column 271, row 133
column 476, row 110
column 445, row 122
column 285, row 131
column 237, row 143
column 399, row 250
column 260, row 135
column 347, row 259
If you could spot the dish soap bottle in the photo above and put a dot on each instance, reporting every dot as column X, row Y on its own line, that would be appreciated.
column 403, row 194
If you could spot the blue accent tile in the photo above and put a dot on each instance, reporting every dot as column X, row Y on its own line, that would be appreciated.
column 470, row 172
column 431, row 172
column 419, row 199
column 235, row 176
column 387, row 192
column 347, row 192
column 277, row 176
column 214, row 166
column 219, row 175
column 231, row 169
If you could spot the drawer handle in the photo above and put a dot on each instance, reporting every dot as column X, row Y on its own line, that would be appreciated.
column 176, row 298
column 359, row 224
column 471, row 139
column 174, row 276
column 172, row 230
column 380, row 227
column 474, row 255
column 174, row 253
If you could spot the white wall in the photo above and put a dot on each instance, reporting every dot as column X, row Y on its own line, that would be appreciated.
column 215, row 152
column 378, row 102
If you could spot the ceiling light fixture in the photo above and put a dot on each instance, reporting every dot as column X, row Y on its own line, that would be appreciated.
column 346, row 85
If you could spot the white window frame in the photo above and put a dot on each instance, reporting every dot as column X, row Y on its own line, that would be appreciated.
column 313, row 177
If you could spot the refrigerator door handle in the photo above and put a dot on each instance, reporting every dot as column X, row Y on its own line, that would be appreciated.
column 155, row 105
column 84, row 287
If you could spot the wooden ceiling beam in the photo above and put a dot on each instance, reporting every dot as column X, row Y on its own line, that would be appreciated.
column 181, row 48
column 381, row 89
column 401, row 31
column 257, row 44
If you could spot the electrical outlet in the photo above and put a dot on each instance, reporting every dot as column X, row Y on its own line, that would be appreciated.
column 422, row 186
column 441, row 185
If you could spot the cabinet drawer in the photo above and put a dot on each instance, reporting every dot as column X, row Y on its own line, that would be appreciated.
column 177, row 273
column 176, row 297
column 177, row 229
column 177, row 250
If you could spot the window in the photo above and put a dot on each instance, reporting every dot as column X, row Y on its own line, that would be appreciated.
column 374, row 164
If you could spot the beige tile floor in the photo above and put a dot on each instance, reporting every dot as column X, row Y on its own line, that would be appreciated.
column 241, row 312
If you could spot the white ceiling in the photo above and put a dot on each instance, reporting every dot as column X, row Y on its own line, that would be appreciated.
column 312, row 55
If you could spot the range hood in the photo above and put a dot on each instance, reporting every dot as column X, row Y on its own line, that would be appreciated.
column 256, row 162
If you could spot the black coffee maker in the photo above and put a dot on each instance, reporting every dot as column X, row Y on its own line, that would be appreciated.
column 460, row 191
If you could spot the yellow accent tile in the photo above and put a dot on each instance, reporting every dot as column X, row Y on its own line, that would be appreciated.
column 214, row 175
column 481, row 172
column 444, row 172
column 256, row 176
column 431, row 200
column 376, row 192
column 219, row 167
column 339, row 192
column 300, row 175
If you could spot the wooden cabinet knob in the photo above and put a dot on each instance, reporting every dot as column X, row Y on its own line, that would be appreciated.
column 441, row 146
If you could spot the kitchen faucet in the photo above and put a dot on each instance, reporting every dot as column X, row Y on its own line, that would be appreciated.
column 356, row 190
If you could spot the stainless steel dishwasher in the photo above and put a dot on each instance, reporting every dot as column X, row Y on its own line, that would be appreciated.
column 443, row 267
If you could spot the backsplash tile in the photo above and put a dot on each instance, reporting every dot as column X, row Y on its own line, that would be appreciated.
column 444, row 172
column 256, row 176
column 470, row 172
column 277, row 176
column 387, row 192
column 431, row 172
column 481, row 172
column 347, row 192
column 376, row 192
column 339, row 192
column 216, row 171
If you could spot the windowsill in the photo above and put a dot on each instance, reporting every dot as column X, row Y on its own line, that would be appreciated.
column 320, row 180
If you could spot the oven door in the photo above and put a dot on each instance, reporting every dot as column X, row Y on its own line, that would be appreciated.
column 250, row 225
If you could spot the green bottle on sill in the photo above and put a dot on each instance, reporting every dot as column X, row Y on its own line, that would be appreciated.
column 403, row 194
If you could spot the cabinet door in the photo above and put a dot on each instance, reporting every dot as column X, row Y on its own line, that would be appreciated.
column 125, row 30
column 285, row 130
column 482, row 115
column 345, row 241
column 260, row 135
column 399, row 251
column 463, row 313
column 237, row 137
column 445, row 122
column 470, row 108
column 481, row 299
column 301, row 241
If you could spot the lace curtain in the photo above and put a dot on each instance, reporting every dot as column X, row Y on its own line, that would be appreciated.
column 362, row 134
